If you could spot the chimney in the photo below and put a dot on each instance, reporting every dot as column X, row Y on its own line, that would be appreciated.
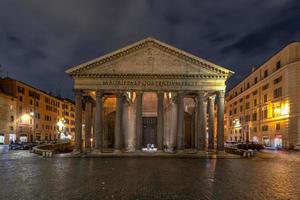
column 253, row 69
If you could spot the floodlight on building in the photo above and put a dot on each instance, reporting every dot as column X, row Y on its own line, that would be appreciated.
column 285, row 109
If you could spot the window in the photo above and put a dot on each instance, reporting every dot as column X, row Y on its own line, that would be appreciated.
column 20, row 98
column 248, row 85
column 265, row 87
column 265, row 114
column 278, row 126
column 12, row 118
column 255, row 129
column 265, row 98
column 241, row 108
column 255, row 102
column 265, row 73
column 37, row 104
column 277, row 92
column 31, row 102
column 278, row 65
column 254, row 93
column 11, row 128
column 247, row 97
column 254, row 116
column 247, row 105
column 241, row 100
column 234, row 111
column 247, row 118
column 265, row 128
column 255, row 80
column 277, row 80
column 20, row 89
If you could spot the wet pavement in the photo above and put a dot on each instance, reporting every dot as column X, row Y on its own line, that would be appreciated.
column 271, row 175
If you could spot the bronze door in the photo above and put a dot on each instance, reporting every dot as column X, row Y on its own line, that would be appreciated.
column 149, row 130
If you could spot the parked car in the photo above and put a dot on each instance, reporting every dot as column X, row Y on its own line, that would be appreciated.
column 253, row 146
column 19, row 146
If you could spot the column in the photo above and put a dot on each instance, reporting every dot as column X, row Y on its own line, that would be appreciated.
column 211, row 122
column 78, row 121
column 88, row 124
column 160, row 120
column 220, row 121
column 118, row 122
column 99, row 121
column 139, row 120
column 201, row 125
column 180, row 121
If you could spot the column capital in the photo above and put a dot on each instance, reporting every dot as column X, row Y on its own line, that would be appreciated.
column 99, row 93
column 160, row 93
column 119, row 94
column 212, row 98
column 180, row 93
column 139, row 92
column 220, row 94
column 77, row 91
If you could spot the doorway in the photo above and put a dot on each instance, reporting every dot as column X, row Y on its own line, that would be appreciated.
column 149, row 131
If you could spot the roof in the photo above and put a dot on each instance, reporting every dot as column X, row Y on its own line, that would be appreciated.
column 144, row 43
column 261, row 65
column 42, row 91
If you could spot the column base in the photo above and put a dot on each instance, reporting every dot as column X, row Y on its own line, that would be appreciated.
column 130, row 150
column 96, row 151
column 76, row 152
column 117, row 151
column 180, row 151
column 297, row 147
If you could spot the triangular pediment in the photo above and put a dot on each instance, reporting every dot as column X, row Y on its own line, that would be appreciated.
column 149, row 56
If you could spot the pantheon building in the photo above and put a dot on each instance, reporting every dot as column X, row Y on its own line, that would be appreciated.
column 149, row 94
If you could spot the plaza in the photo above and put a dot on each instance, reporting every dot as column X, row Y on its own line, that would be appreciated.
column 272, row 175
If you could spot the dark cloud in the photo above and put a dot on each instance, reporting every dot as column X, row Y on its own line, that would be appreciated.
column 39, row 40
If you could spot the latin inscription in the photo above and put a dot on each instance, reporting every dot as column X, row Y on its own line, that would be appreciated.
column 147, row 83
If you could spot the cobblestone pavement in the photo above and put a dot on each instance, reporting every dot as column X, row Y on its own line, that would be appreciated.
column 26, row 176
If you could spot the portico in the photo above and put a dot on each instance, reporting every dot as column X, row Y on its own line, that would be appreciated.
column 149, row 93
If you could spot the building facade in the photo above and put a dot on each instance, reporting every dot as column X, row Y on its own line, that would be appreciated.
column 149, row 94
column 39, row 116
column 265, row 106
column 8, row 107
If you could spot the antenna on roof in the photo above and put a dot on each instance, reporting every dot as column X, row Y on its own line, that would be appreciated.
column 1, row 71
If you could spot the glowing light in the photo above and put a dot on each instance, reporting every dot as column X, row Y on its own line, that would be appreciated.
column 236, row 123
column 255, row 139
column 31, row 113
column 25, row 118
column 60, row 124
column 285, row 109
column 277, row 111
column 91, row 139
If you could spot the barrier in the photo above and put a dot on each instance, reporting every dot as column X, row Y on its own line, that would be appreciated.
column 48, row 150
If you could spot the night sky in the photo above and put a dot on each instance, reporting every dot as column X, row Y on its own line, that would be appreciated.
column 39, row 39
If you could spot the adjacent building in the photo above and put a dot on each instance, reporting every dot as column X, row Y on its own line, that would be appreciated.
column 31, row 114
column 265, row 106
column 8, row 106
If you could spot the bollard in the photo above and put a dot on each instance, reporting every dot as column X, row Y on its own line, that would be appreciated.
column 44, row 154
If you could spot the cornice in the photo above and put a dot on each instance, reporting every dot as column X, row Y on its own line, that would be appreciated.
column 166, row 76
